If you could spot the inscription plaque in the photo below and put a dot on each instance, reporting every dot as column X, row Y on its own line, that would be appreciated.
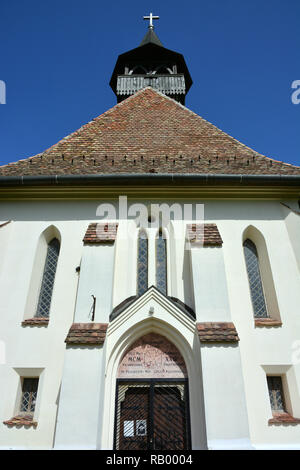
column 152, row 356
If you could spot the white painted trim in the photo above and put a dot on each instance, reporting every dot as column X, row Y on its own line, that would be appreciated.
column 141, row 301
column 178, row 330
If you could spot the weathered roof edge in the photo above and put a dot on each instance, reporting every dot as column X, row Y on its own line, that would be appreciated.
column 138, row 179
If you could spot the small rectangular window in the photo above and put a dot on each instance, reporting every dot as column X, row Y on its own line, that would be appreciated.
column 276, row 394
column 29, row 395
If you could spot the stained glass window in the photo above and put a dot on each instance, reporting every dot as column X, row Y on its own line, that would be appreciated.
column 161, row 263
column 44, row 302
column 276, row 394
column 29, row 394
column 256, row 286
column 142, row 265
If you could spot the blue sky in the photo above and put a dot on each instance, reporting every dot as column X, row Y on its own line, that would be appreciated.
column 57, row 58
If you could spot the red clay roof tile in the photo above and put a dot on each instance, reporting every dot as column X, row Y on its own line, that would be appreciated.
column 148, row 133
column 87, row 333
column 217, row 332
column 207, row 234
column 100, row 233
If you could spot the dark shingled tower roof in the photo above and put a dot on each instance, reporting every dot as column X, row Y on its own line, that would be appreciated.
column 151, row 37
column 151, row 64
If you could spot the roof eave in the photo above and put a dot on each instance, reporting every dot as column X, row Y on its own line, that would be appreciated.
column 153, row 186
column 129, row 179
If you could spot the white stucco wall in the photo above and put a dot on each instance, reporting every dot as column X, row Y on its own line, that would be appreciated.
column 96, row 278
column 266, row 347
column 210, row 285
column 43, row 348
column 292, row 221
column 79, row 405
column 31, row 348
column 224, row 395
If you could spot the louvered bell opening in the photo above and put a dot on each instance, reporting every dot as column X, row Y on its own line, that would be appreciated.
column 167, row 84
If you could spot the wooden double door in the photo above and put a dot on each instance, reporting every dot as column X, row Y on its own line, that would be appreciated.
column 152, row 415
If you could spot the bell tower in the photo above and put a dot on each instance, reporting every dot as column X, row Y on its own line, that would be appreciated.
column 151, row 64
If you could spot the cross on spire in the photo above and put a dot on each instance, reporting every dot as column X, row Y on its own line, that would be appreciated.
column 151, row 18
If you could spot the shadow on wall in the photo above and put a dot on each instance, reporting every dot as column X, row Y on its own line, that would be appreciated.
column 188, row 290
column 86, row 210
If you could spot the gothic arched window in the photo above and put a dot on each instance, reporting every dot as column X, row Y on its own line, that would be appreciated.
column 161, row 263
column 45, row 296
column 142, row 265
column 255, row 280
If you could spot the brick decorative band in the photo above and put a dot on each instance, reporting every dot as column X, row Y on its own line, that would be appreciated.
column 206, row 234
column 21, row 421
column 283, row 418
column 267, row 322
column 36, row 321
column 101, row 233
column 217, row 332
column 87, row 333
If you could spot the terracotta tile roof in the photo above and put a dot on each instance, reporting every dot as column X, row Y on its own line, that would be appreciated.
column 267, row 322
column 148, row 133
column 36, row 321
column 87, row 333
column 283, row 418
column 100, row 233
column 217, row 332
column 206, row 234
column 21, row 421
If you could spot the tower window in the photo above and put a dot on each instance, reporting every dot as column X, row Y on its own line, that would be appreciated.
column 45, row 296
column 276, row 394
column 29, row 395
column 161, row 263
column 255, row 281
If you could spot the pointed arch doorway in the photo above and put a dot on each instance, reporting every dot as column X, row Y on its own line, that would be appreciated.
column 152, row 397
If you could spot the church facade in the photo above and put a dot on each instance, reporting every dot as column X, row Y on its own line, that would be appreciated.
column 150, row 280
